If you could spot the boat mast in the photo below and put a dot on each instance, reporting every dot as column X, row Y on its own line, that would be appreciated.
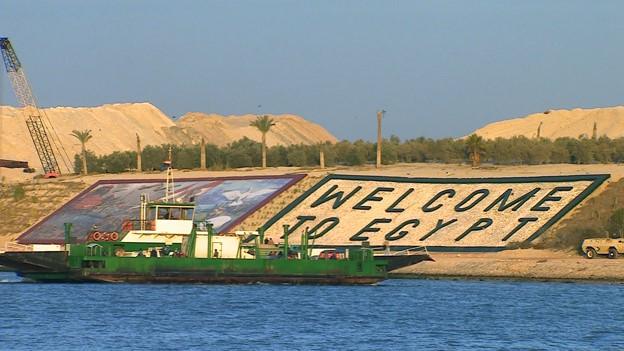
column 143, row 211
column 169, row 186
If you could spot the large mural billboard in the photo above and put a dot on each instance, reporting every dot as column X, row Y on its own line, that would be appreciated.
column 223, row 201
column 439, row 213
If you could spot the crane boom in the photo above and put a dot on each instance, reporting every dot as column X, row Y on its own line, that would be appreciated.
column 26, row 98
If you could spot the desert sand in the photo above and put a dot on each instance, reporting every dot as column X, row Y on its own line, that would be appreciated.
column 114, row 128
column 560, row 123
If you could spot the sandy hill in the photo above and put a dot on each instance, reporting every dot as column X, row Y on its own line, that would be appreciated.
column 114, row 127
column 560, row 123
column 220, row 130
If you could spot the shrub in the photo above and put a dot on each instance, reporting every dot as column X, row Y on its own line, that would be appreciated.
column 19, row 192
column 615, row 225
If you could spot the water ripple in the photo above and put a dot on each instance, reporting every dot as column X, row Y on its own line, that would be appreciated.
column 396, row 315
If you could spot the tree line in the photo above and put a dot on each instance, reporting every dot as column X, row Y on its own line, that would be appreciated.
column 474, row 149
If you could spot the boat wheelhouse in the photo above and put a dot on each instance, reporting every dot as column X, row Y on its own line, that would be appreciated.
column 171, row 224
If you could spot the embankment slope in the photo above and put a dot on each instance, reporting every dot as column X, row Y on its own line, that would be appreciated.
column 552, row 257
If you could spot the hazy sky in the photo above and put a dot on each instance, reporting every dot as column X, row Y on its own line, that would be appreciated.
column 440, row 68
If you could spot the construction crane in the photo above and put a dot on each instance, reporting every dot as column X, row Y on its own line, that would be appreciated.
column 47, row 147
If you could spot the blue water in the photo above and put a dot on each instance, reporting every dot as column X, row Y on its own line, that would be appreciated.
column 394, row 315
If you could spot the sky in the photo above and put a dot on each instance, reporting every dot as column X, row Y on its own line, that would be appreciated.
column 439, row 68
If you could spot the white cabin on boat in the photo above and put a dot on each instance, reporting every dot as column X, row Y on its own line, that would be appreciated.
column 172, row 223
column 171, row 218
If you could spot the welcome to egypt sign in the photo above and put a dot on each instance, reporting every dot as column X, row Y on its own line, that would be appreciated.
column 454, row 213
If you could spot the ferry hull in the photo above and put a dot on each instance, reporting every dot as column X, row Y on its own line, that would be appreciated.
column 202, row 278
column 400, row 261
column 28, row 261
column 59, row 267
column 195, row 278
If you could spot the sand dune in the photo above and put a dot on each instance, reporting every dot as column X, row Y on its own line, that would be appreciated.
column 220, row 130
column 114, row 127
column 560, row 123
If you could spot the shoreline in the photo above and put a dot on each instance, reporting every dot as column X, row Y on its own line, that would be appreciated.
column 506, row 278
column 519, row 264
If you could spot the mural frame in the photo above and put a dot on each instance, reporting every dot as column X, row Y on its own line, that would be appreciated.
column 294, row 178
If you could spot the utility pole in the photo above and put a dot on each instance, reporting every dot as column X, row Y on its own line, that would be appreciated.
column 138, row 151
column 202, row 154
column 380, row 115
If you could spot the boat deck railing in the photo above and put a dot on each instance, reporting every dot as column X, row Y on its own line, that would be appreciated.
column 410, row 250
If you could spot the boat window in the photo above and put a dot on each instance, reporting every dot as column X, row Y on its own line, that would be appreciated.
column 174, row 213
column 151, row 213
column 163, row 213
column 187, row 213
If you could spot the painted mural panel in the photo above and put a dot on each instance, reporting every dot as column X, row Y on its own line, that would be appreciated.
column 222, row 201
column 484, row 213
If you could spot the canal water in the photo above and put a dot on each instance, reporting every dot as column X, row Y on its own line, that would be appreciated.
column 394, row 315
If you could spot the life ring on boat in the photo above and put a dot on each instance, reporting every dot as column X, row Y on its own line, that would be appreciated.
column 96, row 236
column 152, row 225
column 114, row 236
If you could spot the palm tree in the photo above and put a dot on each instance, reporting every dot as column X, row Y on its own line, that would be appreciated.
column 474, row 143
column 83, row 137
column 264, row 124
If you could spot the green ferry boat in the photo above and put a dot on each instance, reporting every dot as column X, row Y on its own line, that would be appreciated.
column 165, row 245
